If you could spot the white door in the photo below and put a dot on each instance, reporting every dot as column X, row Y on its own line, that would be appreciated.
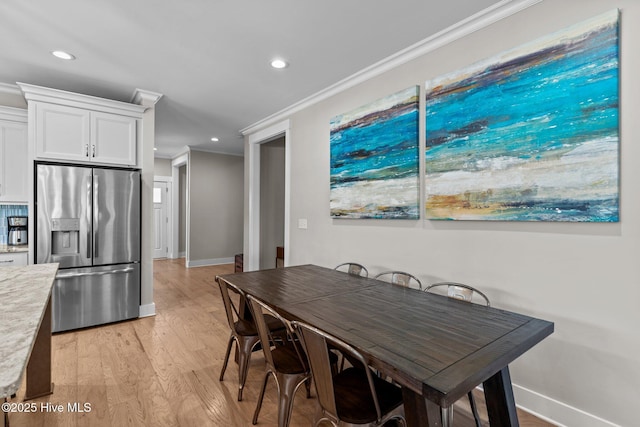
column 160, row 219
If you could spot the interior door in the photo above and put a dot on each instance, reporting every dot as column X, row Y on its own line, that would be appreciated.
column 160, row 220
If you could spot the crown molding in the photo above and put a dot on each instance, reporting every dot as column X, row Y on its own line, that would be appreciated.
column 482, row 19
column 56, row 96
column 224, row 153
column 145, row 97
column 10, row 89
column 13, row 114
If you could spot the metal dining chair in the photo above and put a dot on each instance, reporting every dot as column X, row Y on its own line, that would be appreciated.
column 353, row 268
column 285, row 360
column 243, row 332
column 354, row 396
column 400, row 278
column 460, row 291
column 465, row 293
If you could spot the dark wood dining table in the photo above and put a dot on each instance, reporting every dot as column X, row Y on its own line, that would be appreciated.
column 436, row 348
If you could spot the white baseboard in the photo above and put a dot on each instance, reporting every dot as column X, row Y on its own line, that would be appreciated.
column 148, row 310
column 213, row 261
column 556, row 412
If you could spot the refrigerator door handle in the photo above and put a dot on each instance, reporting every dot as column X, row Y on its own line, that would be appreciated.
column 95, row 273
column 88, row 210
column 96, row 216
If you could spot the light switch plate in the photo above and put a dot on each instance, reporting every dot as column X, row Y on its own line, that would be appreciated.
column 302, row 223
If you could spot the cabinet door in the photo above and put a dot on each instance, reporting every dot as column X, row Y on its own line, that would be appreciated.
column 62, row 132
column 13, row 259
column 13, row 162
column 113, row 139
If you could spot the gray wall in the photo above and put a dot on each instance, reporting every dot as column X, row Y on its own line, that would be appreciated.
column 215, row 207
column 271, row 201
column 11, row 96
column 161, row 167
column 584, row 277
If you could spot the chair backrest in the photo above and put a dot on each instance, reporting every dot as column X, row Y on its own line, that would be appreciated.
column 236, row 313
column 233, row 315
column 353, row 268
column 400, row 278
column 259, row 309
column 460, row 291
column 316, row 344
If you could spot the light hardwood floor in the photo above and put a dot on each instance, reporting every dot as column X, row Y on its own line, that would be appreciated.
column 163, row 370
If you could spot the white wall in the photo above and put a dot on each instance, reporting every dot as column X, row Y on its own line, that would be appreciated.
column 146, row 142
column 584, row 277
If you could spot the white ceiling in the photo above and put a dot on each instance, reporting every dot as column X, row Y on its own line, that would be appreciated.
column 210, row 58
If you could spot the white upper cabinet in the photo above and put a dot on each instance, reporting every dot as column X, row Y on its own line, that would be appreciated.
column 13, row 155
column 113, row 138
column 62, row 132
column 81, row 128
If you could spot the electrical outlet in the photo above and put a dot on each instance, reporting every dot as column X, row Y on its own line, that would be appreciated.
column 302, row 223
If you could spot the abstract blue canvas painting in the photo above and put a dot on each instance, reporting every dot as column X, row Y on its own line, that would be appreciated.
column 531, row 134
column 375, row 159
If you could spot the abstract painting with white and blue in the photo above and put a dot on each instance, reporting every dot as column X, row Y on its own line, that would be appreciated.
column 374, row 159
column 531, row 134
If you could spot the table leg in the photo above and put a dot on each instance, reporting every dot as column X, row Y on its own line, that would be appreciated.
column 39, row 366
column 501, row 405
column 4, row 416
column 418, row 411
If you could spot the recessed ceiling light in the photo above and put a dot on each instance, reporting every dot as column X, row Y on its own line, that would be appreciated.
column 279, row 63
column 63, row 55
column 155, row 148
column 214, row 139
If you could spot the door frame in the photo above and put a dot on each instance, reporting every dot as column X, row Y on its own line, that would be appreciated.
column 252, row 163
column 169, row 225
column 176, row 164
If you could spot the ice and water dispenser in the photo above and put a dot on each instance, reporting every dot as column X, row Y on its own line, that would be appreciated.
column 65, row 236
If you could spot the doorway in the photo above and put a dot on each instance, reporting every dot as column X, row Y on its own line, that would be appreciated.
column 179, row 246
column 272, row 176
column 162, row 217
column 253, row 165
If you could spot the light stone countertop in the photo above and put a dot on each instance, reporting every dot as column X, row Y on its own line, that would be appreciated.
column 13, row 249
column 24, row 293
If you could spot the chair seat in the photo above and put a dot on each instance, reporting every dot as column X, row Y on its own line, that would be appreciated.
column 286, row 360
column 247, row 328
column 353, row 398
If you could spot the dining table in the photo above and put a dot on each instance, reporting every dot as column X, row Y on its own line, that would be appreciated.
column 436, row 348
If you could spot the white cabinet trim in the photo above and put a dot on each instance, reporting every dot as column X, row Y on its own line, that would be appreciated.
column 13, row 114
column 56, row 96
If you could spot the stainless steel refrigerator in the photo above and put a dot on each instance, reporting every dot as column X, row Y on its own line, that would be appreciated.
column 88, row 221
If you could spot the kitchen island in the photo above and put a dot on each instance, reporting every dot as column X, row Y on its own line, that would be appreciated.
column 25, row 329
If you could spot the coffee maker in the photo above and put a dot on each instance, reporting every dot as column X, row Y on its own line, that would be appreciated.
column 17, row 230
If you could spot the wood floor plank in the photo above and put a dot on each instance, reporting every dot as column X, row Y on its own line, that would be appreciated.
column 163, row 370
